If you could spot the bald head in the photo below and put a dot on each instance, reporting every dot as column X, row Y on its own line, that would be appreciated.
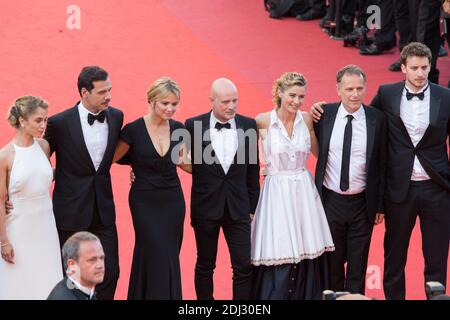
column 224, row 98
column 222, row 85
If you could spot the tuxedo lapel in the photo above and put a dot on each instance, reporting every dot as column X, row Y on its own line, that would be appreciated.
column 396, row 102
column 435, row 106
column 74, row 125
column 110, row 148
column 241, row 142
column 397, row 99
column 207, row 144
column 328, row 124
column 371, row 126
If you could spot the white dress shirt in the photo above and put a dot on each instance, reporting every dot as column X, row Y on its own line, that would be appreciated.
column 85, row 290
column 415, row 114
column 224, row 142
column 357, row 170
column 95, row 135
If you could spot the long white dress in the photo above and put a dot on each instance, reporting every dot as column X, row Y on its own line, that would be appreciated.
column 31, row 229
column 290, row 223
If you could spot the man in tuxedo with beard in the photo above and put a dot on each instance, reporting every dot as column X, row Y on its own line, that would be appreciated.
column 84, row 139
column 225, row 188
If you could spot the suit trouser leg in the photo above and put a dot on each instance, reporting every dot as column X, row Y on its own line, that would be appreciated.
column 318, row 5
column 108, row 238
column 358, row 243
column 386, row 33
column 237, row 235
column 206, row 236
column 402, row 22
column 400, row 219
column 336, row 259
column 434, row 203
column 428, row 31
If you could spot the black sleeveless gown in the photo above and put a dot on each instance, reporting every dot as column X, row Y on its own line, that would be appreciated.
column 158, row 209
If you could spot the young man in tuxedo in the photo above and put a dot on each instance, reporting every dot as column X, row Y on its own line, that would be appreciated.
column 350, row 177
column 225, row 188
column 84, row 139
column 84, row 264
column 418, row 174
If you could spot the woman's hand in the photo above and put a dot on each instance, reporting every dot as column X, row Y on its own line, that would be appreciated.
column 7, row 252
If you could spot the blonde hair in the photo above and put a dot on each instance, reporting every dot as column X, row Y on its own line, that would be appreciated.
column 23, row 107
column 286, row 81
column 161, row 88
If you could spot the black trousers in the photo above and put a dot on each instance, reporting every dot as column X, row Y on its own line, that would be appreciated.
column 431, row 203
column 237, row 235
column 319, row 5
column 351, row 231
column 108, row 238
column 386, row 33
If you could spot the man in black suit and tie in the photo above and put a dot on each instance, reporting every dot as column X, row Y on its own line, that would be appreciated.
column 84, row 264
column 350, row 177
column 225, row 188
column 84, row 139
column 418, row 174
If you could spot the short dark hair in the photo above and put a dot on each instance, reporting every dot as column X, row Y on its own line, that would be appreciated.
column 88, row 75
column 415, row 49
column 350, row 69
column 71, row 247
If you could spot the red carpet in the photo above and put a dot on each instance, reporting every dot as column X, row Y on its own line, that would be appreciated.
column 194, row 42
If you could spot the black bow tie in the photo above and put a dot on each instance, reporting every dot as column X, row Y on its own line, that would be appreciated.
column 219, row 126
column 420, row 95
column 99, row 117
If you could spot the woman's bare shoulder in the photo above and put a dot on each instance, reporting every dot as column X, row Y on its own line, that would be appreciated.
column 308, row 119
column 263, row 120
column 6, row 154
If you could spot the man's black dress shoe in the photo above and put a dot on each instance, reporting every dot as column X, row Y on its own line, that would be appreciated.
column 396, row 66
column 374, row 49
column 442, row 52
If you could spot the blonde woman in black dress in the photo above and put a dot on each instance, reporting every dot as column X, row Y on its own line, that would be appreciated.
column 156, row 198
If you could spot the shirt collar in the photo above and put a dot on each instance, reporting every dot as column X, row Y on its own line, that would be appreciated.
column 276, row 121
column 425, row 87
column 357, row 115
column 213, row 121
column 89, row 292
column 84, row 111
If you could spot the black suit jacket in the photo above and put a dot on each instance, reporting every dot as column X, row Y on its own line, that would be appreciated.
column 431, row 150
column 375, row 155
column 66, row 290
column 211, row 187
column 79, row 189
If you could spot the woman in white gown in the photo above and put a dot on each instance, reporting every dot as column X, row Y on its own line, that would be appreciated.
column 290, row 232
column 30, row 264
